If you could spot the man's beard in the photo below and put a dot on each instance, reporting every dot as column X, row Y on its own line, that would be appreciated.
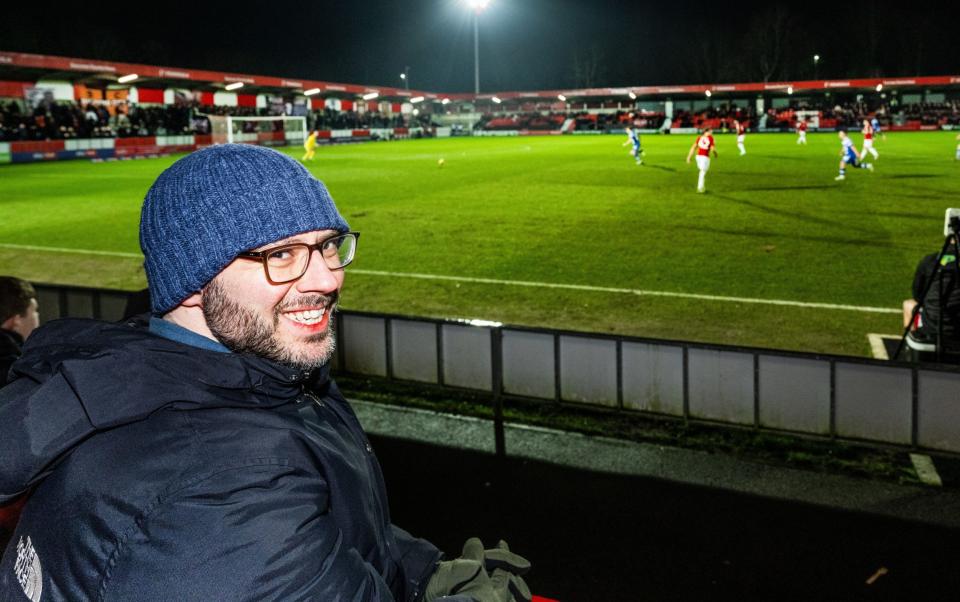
column 243, row 331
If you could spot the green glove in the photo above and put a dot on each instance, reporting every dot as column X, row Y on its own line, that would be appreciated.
column 467, row 575
column 505, row 569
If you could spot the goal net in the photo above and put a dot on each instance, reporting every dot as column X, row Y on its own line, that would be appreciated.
column 275, row 130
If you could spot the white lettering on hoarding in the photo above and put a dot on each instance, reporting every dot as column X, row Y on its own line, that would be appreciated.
column 6, row 59
column 172, row 73
column 231, row 78
column 93, row 67
column 290, row 84
column 836, row 84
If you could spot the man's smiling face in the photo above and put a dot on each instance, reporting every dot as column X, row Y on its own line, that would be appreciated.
column 289, row 323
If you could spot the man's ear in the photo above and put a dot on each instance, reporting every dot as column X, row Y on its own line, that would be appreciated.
column 194, row 300
column 10, row 323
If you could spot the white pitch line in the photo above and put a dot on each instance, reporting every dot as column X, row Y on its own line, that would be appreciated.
column 630, row 291
column 572, row 287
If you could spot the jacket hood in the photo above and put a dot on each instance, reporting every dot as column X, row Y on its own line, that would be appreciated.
column 78, row 377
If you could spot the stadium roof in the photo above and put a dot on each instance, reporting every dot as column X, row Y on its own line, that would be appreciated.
column 33, row 67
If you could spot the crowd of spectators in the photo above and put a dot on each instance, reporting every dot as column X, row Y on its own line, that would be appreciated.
column 719, row 117
column 66, row 120
column 582, row 120
column 934, row 113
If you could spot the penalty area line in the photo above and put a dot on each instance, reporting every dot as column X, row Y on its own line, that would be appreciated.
column 524, row 283
column 631, row 291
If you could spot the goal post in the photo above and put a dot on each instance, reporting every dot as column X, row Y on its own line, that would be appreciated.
column 273, row 130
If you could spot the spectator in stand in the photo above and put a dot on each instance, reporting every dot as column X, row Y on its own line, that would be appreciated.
column 19, row 316
column 703, row 145
column 211, row 456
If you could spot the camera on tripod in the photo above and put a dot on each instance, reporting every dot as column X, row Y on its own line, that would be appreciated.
column 932, row 328
column 951, row 222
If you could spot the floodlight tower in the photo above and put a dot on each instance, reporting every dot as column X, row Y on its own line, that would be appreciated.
column 816, row 63
column 477, row 6
column 405, row 76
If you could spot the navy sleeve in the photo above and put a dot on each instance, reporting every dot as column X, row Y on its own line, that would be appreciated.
column 260, row 532
column 419, row 559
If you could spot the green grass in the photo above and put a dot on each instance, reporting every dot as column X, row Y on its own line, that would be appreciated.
column 569, row 210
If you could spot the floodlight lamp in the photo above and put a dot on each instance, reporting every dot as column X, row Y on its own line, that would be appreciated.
column 445, row 101
column 234, row 86
column 708, row 93
column 478, row 5
column 127, row 78
column 311, row 91
column 495, row 99
column 371, row 95
column 416, row 112
column 789, row 89
column 403, row 76
column 562, row 97
column 416, row 99
column 879, row 87
column 632, row 96
column 816, row 58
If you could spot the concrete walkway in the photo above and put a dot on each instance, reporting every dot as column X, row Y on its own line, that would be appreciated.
column 924, row 504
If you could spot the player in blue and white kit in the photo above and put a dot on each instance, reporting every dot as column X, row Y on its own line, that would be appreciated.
column 849, row 156
column 633, row 138
column 875, row 124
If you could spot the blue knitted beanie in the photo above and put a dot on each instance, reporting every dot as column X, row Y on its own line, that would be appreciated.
column 217, row 202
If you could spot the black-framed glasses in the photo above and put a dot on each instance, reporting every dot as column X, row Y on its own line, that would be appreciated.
column 287, row 263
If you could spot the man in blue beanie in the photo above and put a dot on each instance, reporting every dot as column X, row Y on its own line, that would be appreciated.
column 205, row 453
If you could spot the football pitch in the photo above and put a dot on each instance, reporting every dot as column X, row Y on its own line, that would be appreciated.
column 567, row 232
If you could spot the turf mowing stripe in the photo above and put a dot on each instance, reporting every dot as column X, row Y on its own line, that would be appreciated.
column 631, row 291
column 575, row 287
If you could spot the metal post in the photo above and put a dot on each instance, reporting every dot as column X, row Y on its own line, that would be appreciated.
column 496, row 358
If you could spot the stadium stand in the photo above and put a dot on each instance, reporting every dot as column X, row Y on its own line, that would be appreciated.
column 65, row 120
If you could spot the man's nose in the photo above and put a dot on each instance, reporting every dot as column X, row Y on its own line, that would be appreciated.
column 319, row 277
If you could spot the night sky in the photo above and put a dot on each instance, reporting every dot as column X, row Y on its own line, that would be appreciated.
column 524, row 44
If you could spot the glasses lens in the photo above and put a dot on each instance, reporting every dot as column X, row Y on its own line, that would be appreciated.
column 338, row 251
column 287, row 263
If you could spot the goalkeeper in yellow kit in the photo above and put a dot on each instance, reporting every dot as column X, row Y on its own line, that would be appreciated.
column 310, row 145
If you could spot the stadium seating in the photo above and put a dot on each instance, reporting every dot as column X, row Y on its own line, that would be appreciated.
column 66, row 120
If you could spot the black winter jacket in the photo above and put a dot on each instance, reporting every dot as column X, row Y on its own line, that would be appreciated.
column 10, row 344
column 162, row 471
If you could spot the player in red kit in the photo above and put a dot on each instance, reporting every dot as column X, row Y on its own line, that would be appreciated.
column 741, row 136
column 703, row 147
column 802, row 132
column 868, row 141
